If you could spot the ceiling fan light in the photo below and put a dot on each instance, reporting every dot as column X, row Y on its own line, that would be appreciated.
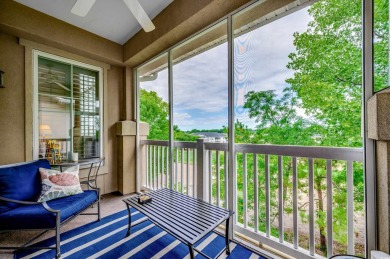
column 140, row 14
column 82, row 7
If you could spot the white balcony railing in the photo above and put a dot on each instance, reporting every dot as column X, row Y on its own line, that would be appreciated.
column 287, row 197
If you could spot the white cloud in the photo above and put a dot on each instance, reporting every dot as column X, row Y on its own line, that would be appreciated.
column 200, row 83
column 160, row 85
column 182, row 119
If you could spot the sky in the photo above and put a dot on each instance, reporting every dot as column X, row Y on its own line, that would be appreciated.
column 200, row 84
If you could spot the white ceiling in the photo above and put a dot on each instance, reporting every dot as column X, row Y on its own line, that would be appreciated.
column 110, row 19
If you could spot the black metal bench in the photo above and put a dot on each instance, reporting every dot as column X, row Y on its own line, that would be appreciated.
column 186, row 218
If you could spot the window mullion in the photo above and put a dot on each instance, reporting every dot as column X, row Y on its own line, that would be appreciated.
column 71, row 110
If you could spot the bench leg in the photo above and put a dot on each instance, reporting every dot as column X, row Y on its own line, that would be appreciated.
column 227, row 236
column 98, row 208
column 129, row 226
column 191, row 251
column 58, row 233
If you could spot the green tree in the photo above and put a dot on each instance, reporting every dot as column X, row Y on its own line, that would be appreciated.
column 381, row 44
column 327, row 85
column 278, row 122
column 180, row 135
column 327, row 78
column 327, row 67
column 242, row 133
column 154, row 111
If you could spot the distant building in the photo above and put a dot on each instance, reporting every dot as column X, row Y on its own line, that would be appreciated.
column 212, row 136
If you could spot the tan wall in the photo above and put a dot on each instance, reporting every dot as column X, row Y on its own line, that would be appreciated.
column 23, row 29
column 114, row 108
column 12, row 100
column 15, row 129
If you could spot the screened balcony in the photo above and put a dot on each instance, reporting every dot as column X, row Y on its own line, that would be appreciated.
column 301, row 199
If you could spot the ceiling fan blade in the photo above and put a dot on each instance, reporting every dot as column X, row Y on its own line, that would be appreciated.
column 140, row 14
column 82, row 7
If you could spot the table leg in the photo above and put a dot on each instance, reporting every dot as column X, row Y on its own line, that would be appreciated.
column 227, row 236
column 191, row 251
column 129, row 227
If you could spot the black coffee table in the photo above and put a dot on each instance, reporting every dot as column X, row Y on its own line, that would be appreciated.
column 186, row 218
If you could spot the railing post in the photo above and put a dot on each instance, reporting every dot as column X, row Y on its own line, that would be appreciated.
column 201, row 172
column 143, row 166
column 142, row 172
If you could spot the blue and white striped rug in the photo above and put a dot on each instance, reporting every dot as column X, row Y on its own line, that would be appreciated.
column 105, row 239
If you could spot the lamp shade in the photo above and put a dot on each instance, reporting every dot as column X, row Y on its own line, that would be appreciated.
column 44, row 130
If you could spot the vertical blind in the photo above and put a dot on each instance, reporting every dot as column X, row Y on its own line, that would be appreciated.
column 68, row 108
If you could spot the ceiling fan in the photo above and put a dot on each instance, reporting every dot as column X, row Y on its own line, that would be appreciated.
column 82, row 7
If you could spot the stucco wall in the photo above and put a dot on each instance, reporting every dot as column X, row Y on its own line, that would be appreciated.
column 13, row 103
column 114, row 107
column 12, row 100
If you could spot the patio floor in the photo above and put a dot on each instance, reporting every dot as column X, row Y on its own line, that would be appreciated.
column 110, row 204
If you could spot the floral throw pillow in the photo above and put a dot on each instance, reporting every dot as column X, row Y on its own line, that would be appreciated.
column 56, row 184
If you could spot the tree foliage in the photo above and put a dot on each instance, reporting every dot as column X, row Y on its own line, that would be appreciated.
column 180, row 135
column 278, row 122
column 154, row 110
column 327, row 67
column 381, row 44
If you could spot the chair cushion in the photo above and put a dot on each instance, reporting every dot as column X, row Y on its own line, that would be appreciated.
column 36, row 217
column 20, row 182
column 56, row 184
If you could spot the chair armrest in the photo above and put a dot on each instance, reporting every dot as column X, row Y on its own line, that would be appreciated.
column 44, row 204
column 89, row 183
column 92, row 177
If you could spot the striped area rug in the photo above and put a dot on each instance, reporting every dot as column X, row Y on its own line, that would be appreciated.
column 106, row 239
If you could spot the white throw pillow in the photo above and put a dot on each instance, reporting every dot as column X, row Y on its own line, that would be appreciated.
column 56, row 184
